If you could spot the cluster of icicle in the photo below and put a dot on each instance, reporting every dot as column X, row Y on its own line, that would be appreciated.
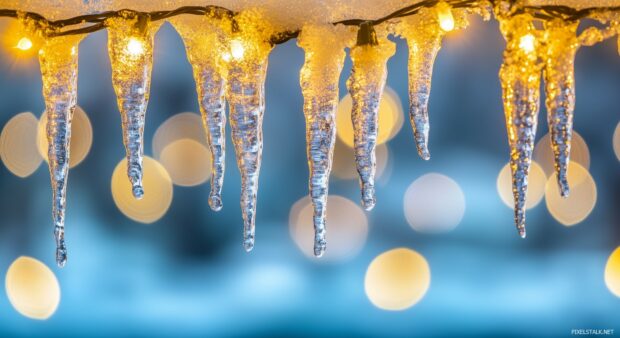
column 229, row 60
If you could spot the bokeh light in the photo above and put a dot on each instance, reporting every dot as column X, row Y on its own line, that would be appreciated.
column 543, row 154
column 343, row 166
column 536, row 184
column 18, row 145
column 612, row 272
column 157, row 192
column 32, row 288
column 390, row 117
column 578, row 205
column 81, row 137
column 434, row 203
column 347, row 228
column 617, row 141
column 397, row 279
column 179, row 126
column 187, row 161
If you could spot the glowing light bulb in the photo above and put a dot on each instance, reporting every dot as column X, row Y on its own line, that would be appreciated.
column 236, row 49
column 135, row 47
column 24, row 44
column 527, row 43
column 226, row 56
column 444, row 14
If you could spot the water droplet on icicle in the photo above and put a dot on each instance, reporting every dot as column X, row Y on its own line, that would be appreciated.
column 319, row 76
column 205, row 47
column 559, row 72
column 520, row 79
column 59, row 69
column 366, row 84
column 130, row 45
column 424, row 34
column 245, row 92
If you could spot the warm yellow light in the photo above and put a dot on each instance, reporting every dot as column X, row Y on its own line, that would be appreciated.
column 347, row 228
column 187, row 161
column 236, row 49
column 397, row 279
column 158, row 192
column 612, row 272
column 135, row 47
column 24, row 44
column 444, row 14
column 581, row 201
column 579, row 153
column 535, row 187
column 527, row 43
column 32, row 288
column 18, row 145
column 391, row 117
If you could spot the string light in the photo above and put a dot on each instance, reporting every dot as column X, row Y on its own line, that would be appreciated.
column 527, row 43
column 24, row 44
column 444, row 14
column 236, row 49
column 135, row 47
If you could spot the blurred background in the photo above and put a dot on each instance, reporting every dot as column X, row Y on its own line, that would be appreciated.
column 438, row 255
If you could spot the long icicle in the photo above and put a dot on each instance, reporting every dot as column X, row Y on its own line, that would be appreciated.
column 130, row 45
column 324, row 57
column 204, row 44
column 245, row 92
column 59, row 69
column 520, row 79
column 366, row 83
column 559, row 72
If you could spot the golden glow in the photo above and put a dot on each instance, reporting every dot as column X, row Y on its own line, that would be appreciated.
column 18, row 145
column 543, row 154
column 237, row 50
column 434, row 203
column 617, row 141
column 527, row 43
column 347, row 228
column 535, row 189
column 81, row 137
column 578, row 205
column 24, row 44
column 343, row 166
column 445, row 17
column 135, row 47
column 32, row 288
column 391, row 117
column 179, row 126
column 397, row 279
column 157, row 192
column 612, row 272
column 187, row 161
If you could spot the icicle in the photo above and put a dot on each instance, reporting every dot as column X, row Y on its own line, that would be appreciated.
column 366, row 84
column 324, row 57
column 559, row 71
column 424, row 34
column 130, row 45
column 206, row 50
column 245, row 92
column 520, row 78
column 59, row 68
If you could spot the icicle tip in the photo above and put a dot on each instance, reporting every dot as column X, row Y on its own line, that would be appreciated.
column 248, row 243
column 215, row 202
column 138, row 191
column 368, row 197
column 521, row 230
column 320, row 245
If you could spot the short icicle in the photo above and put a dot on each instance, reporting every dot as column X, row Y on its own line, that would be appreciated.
column 520, row 79
column 559, row 73
column 130, row 45
column 366, row 83
column 324, row 57
column 59, row 69
column 424, row 33
column 245, row 92
column 204, row 39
